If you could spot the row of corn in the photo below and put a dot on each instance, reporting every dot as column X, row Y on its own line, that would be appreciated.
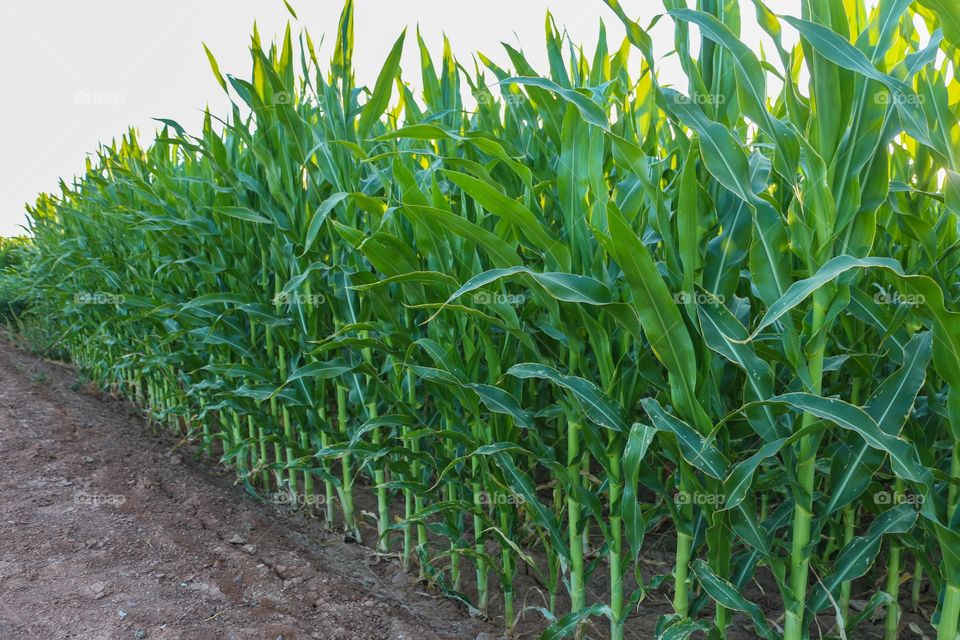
column 539, row 316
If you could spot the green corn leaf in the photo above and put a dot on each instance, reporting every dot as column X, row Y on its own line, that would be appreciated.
column 693, row 446
column 500, row 252
column 567, row 287
column 902, row 454
column 521, row 484
column 566, row 625
column 722, row 333
column 319, row 217
column 727, row 595
column 659, row 316
column 683, row 630
column 855, row 558
column 889, row 406
column 499, row 401
column 380, row 98
column 597, row 406
column 243, row 213
column 838, row 50
column 638, row 442
column 490, row 198
column 752, row 85
column 590, row 111
column 949, row 15
column 215, row 68
column 802, row 289
column 322, row 370
column 737, row 484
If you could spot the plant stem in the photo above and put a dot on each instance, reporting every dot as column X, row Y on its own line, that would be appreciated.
column 616, row 547
column 953, row 492
column 573, row 516
column 380, row 478
column 482, row 594
column 681, row 595
column 508, row 572
column 917, row 585
column 476, row 488
column 252, row 436
column 950, row 614
column 418, row 503
column 308, row 495
column 207, row 433
column 408, row 503
column 721, row 564
column 346, row 489
column 329, row 490
column 407, row 514
column 454, row 556
column 806, row 476
column 324, row 425
column 252, row 432
column 892, row 620
column 237, row 438
column 291, row 455
column 849, row 529
column 288, row 437
column 849, row 520
column 274, row 412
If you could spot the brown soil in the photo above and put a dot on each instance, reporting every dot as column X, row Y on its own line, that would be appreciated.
column 111, row 531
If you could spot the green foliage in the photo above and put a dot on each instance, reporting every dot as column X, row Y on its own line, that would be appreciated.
column 584, row 308
column 14, row 254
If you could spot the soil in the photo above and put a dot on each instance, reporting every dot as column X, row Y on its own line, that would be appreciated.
column 111, row 529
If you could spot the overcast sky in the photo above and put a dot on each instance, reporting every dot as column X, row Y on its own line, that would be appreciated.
column 80, row 73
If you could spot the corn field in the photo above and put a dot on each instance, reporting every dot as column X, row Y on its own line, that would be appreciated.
column 538, row 317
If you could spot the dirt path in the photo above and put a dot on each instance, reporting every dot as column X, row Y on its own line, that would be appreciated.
column 105, row 533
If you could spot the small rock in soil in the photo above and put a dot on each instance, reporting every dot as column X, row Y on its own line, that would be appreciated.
column 98, row 589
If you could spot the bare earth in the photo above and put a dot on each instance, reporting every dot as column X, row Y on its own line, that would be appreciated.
column 109, row 531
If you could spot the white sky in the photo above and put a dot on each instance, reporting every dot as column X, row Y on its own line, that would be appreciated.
column 133, row 60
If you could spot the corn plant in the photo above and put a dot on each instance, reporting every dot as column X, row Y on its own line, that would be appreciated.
column 540, row 315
